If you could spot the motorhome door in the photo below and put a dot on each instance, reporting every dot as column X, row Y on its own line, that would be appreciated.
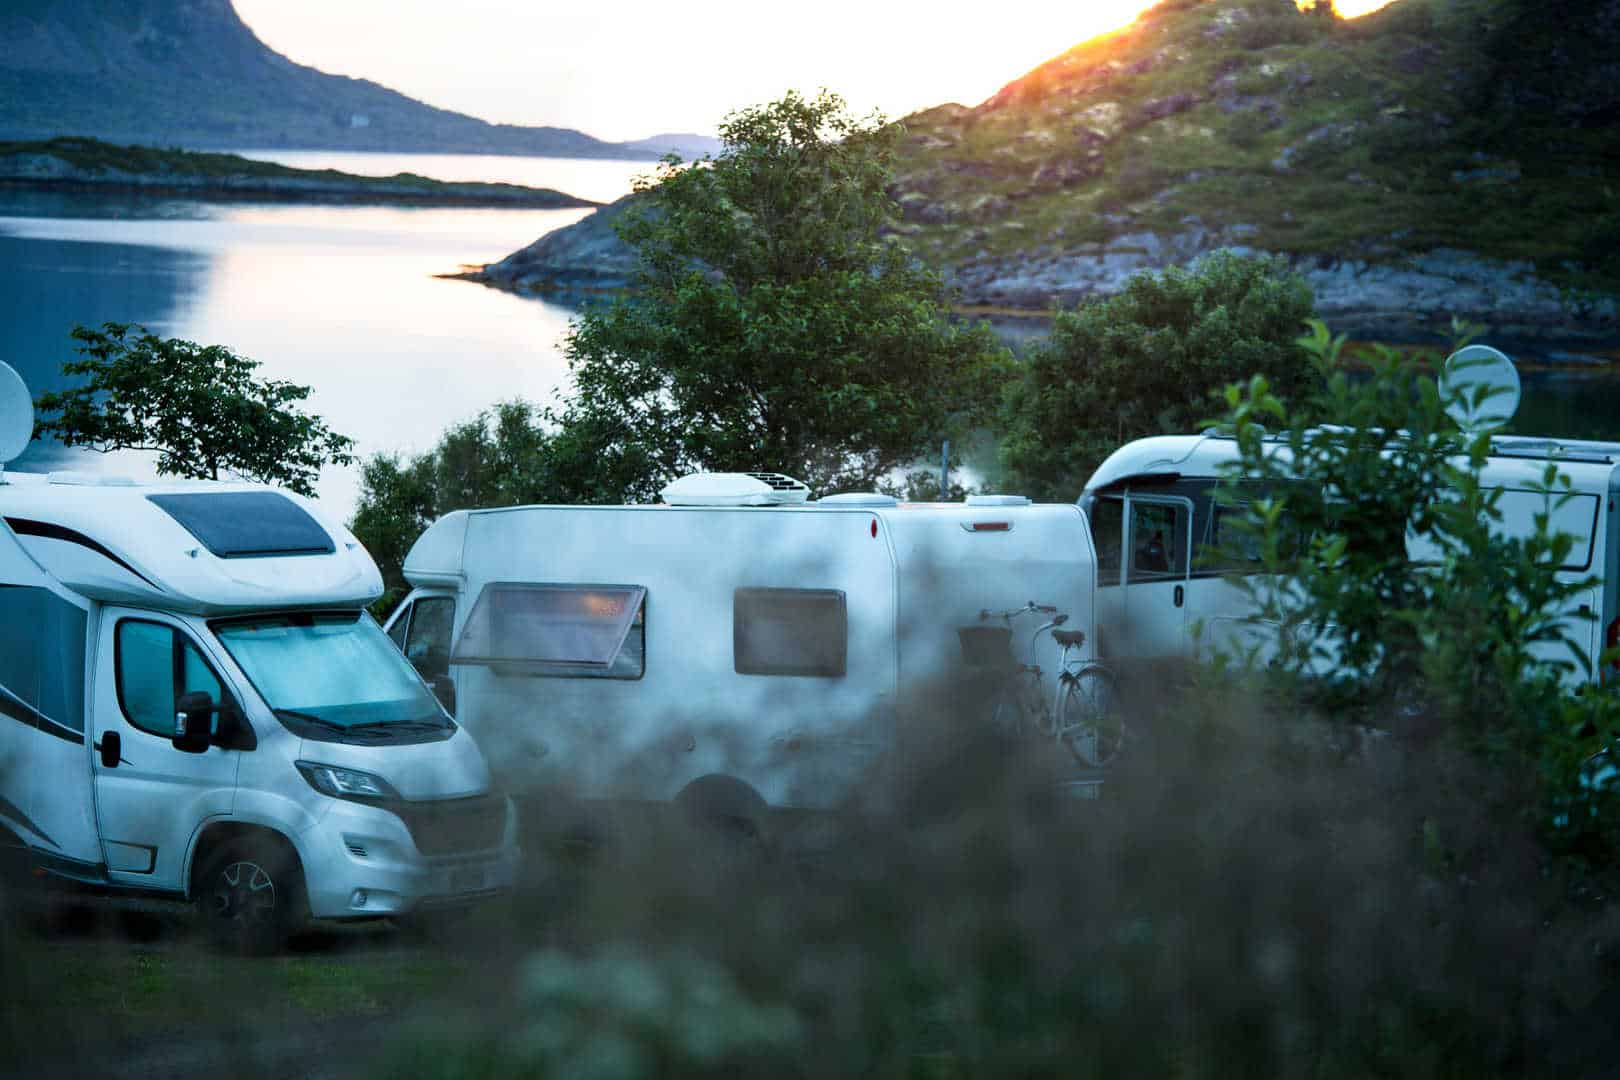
column 151, row 796
column 1156, row 549
column 44, row 777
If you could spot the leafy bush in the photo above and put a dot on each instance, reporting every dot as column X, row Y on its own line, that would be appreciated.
column 1149, row 361
column 1390, row 577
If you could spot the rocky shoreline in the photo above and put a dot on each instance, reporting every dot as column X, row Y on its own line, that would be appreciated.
column 1400, row 300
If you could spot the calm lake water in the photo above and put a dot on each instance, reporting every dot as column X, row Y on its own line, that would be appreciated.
column 344, row 299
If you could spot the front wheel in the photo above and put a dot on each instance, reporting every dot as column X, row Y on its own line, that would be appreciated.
column 251, row 896
column 1090, row 722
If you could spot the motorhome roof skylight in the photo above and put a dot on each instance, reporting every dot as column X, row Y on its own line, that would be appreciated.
column 247, row 524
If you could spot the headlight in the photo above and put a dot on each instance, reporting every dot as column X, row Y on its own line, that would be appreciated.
column 345, row 783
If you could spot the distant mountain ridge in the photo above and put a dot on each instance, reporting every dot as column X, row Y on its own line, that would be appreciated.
column 191, row 73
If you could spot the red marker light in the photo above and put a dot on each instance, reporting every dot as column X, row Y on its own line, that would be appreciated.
column 874, row 528
column 991, row 526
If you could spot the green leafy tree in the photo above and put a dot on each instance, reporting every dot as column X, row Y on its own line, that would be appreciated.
column 1150, row 361
column 773, row 324
column 1385, row 563
column 198, row 407
column 502, row 457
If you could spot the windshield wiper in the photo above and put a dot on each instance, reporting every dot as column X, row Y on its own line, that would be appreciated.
column 385, row 726
column 307, row 718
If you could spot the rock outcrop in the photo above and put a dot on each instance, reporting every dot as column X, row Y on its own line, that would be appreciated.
column 583, row 258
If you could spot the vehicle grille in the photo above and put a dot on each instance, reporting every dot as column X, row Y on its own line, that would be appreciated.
column 453, row 826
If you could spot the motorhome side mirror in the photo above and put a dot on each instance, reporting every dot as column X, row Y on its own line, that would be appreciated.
column 193, row 722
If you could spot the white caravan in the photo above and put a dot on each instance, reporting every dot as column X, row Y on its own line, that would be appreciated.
column 731, row 657
column 194, row 703
column 1169, row 589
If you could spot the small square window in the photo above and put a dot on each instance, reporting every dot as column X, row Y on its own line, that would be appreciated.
column 790, row 632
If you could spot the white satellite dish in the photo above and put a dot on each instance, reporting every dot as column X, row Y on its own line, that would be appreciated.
column 1480, row 387
column 16, row 415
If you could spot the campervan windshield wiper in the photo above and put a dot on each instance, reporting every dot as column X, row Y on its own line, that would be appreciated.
column 307, row 718
column 385, row 726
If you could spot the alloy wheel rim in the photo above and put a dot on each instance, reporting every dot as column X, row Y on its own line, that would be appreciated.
column 245, row 893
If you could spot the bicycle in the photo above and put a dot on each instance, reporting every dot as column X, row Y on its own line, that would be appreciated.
column 1084, row 711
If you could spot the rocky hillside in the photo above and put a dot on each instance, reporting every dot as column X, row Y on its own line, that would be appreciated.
column 1470, row 145
column 191, row 73
column 1439, row 157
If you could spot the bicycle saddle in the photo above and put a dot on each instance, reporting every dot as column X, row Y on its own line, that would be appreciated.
column 1067, row 638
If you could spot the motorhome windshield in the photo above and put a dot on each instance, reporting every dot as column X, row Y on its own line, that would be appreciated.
column 333, row 676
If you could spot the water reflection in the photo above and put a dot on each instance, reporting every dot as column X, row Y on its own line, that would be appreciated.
column 341, row 298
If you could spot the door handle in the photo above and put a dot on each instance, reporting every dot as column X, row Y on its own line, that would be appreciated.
column 1181, row 595
column 111, row 747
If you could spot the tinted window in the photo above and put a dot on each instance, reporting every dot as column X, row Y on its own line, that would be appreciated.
column 427, row 644
column 789, row 632
column 157, row 666
column 557, row 630
column 247, row 524
column 1107, row 533
column 41, row 659
column 396, row 631
column 1158, row 541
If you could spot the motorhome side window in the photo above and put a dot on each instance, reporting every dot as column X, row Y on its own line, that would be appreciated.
column 1158, row 541
column 156, row 667
column 790, row 632
column 396, row 632
column 427, row 642
column 556, row 630
column 1107, row 536
column 41, row 661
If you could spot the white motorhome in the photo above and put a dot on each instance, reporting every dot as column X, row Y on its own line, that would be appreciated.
column 194, row 703
column 726, row 655
column 1169, row 589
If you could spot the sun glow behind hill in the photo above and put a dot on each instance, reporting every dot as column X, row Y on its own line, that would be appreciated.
column 640, row 66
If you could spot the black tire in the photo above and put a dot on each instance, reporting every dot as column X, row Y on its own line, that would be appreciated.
column 250, row 896
column 1089, row 720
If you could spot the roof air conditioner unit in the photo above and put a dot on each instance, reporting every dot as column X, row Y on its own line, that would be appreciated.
column 735, row 489
column 997, row 500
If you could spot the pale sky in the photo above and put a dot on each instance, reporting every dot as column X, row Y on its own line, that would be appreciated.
column 633, row 68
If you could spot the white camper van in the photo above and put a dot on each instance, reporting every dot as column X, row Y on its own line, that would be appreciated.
column 729, row 650
column 1167, row 589
column 194, row 703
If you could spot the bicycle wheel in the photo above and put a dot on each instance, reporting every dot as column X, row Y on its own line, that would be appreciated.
column 1089, row 720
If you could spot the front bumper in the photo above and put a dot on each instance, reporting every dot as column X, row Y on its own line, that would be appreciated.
column 362, row 861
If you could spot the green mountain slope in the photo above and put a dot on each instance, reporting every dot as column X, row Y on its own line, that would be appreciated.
column 1487, row 126
column 190, row 72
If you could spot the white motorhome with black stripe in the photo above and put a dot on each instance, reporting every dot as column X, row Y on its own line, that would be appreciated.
column 194, row 702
